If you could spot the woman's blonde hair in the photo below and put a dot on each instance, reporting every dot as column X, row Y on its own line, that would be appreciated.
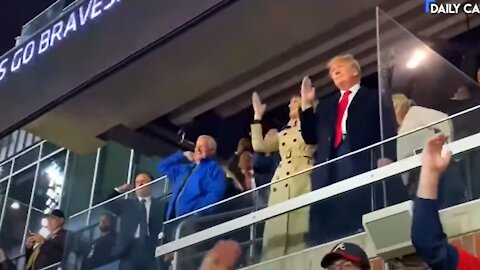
column 244, row 144
column 401, row 102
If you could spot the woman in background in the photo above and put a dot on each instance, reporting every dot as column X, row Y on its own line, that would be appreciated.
column 411, row 117
column 245, row 164
column 244, row 148
column 284, row 234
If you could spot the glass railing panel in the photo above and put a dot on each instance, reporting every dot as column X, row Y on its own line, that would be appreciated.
column 318, row 217
column 26, row 158
column 48, row 191
column 419, row 124
column 421, row 86
column 112, row 155
column 411, row 144
column 49, row 148
column 56, row 266
column 223, row 211
column 78, row 182
column 288, row 183
column 3, row 190
column 5, row 169
column 41, row 20
column 116, row 225
column 458, row 184
column 16, row 212
column 275, row 237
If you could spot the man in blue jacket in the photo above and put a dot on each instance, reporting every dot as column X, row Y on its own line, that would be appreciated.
column 197, row 180
column 428, row 237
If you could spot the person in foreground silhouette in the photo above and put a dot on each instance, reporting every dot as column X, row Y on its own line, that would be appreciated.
column 224, row 256
column 428, row 237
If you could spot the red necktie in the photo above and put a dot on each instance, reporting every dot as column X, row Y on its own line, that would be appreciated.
column 341, row 108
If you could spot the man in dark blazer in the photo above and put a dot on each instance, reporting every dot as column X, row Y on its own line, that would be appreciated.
column 339, row 123
column 99, row 252
column 141, row 220
column 45, row 251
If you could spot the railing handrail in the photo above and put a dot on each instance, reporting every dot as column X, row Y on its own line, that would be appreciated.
column 120, row 196
column 304, row 200
column 449, row 118
column 52, row 265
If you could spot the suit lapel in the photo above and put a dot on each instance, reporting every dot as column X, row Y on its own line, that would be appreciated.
column 356, row 101
column 334, row 107
column 152, row 210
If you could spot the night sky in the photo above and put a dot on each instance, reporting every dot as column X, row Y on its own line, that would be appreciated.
column 14, row 14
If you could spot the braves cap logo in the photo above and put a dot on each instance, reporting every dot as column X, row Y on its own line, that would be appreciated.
column 340, row 246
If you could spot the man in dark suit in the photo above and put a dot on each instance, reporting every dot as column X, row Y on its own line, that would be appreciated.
column 141, row 220
column 99, row 252
column 45, row 251
column 339, row 123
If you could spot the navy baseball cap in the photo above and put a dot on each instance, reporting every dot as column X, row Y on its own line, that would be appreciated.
column 57, row 213
column 349, row 252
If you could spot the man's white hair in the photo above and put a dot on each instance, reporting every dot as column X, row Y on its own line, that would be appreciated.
column 212, row 142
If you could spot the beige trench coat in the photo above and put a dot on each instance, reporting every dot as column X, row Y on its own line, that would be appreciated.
column 285, row 234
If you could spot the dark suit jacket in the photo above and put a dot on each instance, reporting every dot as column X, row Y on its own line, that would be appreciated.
column 363, row 129
column 7, row 265
column 51, row 251
column 100, row 251
column 129, row 212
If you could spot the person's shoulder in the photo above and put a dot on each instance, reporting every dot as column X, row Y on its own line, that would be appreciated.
column 330, row 95
column 369, row 92
column 419, row 110
column 212, row 164
column 61, row 234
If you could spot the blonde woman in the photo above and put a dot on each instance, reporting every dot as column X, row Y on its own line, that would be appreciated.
column 284, row 234
column 410, row 117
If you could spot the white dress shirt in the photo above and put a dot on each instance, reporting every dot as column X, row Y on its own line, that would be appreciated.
column 354, row 89
column 148, row 204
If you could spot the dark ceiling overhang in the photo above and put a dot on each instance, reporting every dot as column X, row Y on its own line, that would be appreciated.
column 50, row 92
column 248, row 45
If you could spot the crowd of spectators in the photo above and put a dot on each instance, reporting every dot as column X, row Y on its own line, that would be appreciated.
column 318, row 130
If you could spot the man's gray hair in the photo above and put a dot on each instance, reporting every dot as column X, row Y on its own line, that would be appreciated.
column 213, row 142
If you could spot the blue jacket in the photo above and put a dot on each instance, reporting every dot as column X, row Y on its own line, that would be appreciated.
column 206, row 184
column 431, row 242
